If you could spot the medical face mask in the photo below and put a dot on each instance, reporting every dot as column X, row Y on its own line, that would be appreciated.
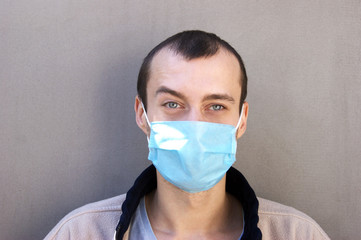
column 192, row 155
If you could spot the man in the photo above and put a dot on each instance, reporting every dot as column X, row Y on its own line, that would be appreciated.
column 191, row 106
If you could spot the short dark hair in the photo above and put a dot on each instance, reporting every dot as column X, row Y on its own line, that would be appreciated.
column 190, row 45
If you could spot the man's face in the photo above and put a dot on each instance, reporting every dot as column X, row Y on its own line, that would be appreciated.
column 202, row 89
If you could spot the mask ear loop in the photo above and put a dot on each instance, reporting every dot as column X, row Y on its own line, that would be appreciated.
column 240, row 118
column 145, row 114
column 146, row 118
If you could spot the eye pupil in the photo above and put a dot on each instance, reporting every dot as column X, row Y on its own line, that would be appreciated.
column 172, row 105
column 217, row 107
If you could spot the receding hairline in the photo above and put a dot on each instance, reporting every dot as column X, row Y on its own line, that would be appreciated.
column 172, row 49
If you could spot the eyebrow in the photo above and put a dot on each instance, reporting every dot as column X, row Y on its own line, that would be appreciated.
column 215, row 96
column 219, row 97
column 163, row 89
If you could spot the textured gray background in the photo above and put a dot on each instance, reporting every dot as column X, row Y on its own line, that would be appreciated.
column 68, row 74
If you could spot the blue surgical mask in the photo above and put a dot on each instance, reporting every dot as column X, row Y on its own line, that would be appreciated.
column 192, row 155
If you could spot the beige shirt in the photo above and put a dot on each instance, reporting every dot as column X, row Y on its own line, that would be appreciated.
column 98, row 221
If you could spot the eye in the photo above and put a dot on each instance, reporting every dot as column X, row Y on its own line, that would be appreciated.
column 172, row 105
column 216, row 107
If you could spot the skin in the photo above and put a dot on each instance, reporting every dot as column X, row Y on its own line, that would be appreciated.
column 202, row 89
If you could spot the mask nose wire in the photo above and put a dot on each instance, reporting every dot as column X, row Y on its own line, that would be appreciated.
column 240, row 118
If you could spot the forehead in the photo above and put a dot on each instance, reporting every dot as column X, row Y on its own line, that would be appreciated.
column 222, row 67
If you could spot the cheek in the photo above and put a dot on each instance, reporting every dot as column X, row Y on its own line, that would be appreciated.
column 234, row 118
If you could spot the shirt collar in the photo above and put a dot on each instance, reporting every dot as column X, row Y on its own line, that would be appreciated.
column 236, row 184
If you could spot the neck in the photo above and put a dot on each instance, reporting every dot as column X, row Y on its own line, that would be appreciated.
column 175, row 213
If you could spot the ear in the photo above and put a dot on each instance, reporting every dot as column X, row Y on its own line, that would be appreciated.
column 243, row 125
column 140, row 116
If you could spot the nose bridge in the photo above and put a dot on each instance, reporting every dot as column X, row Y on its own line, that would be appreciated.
column 195, row 114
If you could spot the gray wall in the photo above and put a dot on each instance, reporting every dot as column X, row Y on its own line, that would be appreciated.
column 68, row 72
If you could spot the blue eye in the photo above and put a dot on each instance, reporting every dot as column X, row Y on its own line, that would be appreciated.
column 172, row 105
column 217, row 107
